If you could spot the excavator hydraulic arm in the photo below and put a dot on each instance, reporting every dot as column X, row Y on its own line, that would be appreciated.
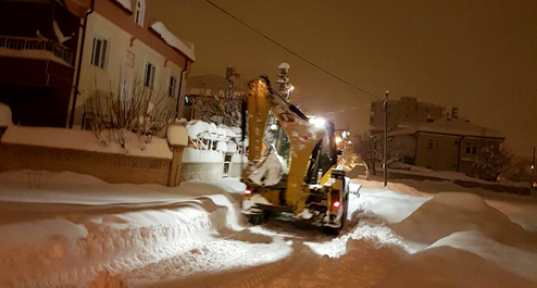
column 303, row 136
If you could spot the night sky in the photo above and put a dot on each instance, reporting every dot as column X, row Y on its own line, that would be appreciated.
column 478, row 55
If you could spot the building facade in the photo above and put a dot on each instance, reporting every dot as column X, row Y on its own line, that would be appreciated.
column 406, row 110
column 38, row 49
column 444, row 145
column 123, row 51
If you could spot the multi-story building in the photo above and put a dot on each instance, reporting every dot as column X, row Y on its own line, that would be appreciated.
column 406, row 110
column 38, row 45
column 123, row 50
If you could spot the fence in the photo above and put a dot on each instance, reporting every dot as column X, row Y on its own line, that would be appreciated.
column 26, row 43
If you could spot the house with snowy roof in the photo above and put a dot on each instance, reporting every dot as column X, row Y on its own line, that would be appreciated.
column 448, row 144
column 124, row 51
column 407, row 109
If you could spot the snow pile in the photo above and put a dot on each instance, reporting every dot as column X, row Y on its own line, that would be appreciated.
column 177, row 135
column 79, row 247
column 191, row 155
column 86, row 140
column 198, row 129
column 269, row 171
column 448, row 213
column 172, row 40
column 5, row 115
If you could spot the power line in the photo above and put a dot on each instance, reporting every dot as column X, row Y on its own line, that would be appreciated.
column 291, row 51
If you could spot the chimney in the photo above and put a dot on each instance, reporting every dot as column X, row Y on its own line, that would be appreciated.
column 454, row 112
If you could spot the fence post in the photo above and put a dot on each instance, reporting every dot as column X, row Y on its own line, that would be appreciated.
column 177, row 136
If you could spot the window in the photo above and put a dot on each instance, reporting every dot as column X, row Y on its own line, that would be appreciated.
column 125, row 88
column 432, row 145
column 470, row 148
column 172, row 89
column 139, row 13
column 149, row 75
column 99, row 51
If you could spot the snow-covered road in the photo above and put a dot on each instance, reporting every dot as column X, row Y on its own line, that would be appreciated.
column 76, row 231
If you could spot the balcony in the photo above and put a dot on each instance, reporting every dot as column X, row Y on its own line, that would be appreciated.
column 36, row 48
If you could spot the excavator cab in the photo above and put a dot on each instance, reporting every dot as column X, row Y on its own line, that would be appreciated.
column 305, row 183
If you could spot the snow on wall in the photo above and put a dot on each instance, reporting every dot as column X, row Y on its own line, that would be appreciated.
column 172, row 40
column 6, row 118
column 191, row 155
column 177, row 135
column 84, row 140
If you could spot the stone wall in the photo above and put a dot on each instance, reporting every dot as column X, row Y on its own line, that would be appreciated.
column 201, row 171
column 112, row 168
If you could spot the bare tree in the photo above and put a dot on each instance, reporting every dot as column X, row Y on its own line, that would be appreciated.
column 490, row 163
column 139, row 109
column 220, row 106
column 371, row 147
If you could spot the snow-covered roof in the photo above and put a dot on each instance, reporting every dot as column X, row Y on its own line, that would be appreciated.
column 450, row 127
column 124, row 3
column 184, row 47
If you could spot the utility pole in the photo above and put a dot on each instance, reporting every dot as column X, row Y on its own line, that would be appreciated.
column 534, row 181
column 386, row 140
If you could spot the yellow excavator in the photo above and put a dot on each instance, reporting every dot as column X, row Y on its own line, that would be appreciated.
column 299, row 178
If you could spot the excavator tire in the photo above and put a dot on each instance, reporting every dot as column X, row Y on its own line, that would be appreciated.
column 256, row 218
column 332, row 231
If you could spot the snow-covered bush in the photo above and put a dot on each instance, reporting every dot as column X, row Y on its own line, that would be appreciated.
column 139, row 109
column 490, row 163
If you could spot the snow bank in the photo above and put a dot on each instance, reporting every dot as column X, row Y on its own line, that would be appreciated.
column 388, row 205
column 85, row 140
column 74, row 249
column 191, row 155
column 177, row 135
column 5, row 115
column 172, row 40
column 446, row 267
column 447, row 213
column 28, row 186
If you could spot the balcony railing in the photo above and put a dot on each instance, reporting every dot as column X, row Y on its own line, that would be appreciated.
column 27, row 43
